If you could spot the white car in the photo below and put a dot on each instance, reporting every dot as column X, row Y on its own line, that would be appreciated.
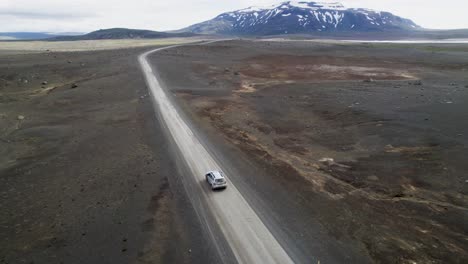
column 216, row 180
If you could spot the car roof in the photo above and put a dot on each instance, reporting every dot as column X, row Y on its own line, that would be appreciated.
column 217, row 174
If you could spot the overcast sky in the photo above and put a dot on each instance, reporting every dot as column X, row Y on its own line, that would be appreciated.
column 89, row 15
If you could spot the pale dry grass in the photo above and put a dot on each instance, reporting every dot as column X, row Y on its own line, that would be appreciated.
column 84, row 45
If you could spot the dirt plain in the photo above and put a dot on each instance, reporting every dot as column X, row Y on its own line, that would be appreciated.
column 366, row 143
column 86, row 45
column 85, row 171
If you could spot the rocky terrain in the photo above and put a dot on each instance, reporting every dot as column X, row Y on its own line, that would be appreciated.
column 85, row 171
column 358, row 149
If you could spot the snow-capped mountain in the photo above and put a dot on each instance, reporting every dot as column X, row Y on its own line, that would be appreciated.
column 296, row 17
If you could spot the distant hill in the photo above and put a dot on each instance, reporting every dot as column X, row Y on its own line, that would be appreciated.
column 298, row 17
column 124, row 33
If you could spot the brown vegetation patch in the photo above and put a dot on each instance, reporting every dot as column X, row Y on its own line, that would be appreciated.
column 291, row 144
column 318, row 68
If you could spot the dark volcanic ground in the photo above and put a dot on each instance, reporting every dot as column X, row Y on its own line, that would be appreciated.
column 85, row 172
column 86, row 175
column 357, row 150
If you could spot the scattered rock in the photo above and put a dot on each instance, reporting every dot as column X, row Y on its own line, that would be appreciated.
column 25, row 81
column 453, row 84
column 417, row 82
column 69, row 61
column 466, row 86
column 373, row 178
column 236, row 73
column 5, row 140
column 20, row 117
column 44, row 83
column 50, row 89
column 73, row 86
column 327, row 161
column 368, row 80
column 190, row 250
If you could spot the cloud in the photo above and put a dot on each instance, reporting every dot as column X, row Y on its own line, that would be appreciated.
column 44, row 15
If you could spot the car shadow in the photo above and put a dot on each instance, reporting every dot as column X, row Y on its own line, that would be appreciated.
column 208, row 187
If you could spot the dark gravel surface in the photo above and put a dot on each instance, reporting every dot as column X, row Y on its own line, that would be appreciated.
column 395, row 191
column 85, row 172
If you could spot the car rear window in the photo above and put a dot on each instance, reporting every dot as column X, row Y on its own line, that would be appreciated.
column 219, row 180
